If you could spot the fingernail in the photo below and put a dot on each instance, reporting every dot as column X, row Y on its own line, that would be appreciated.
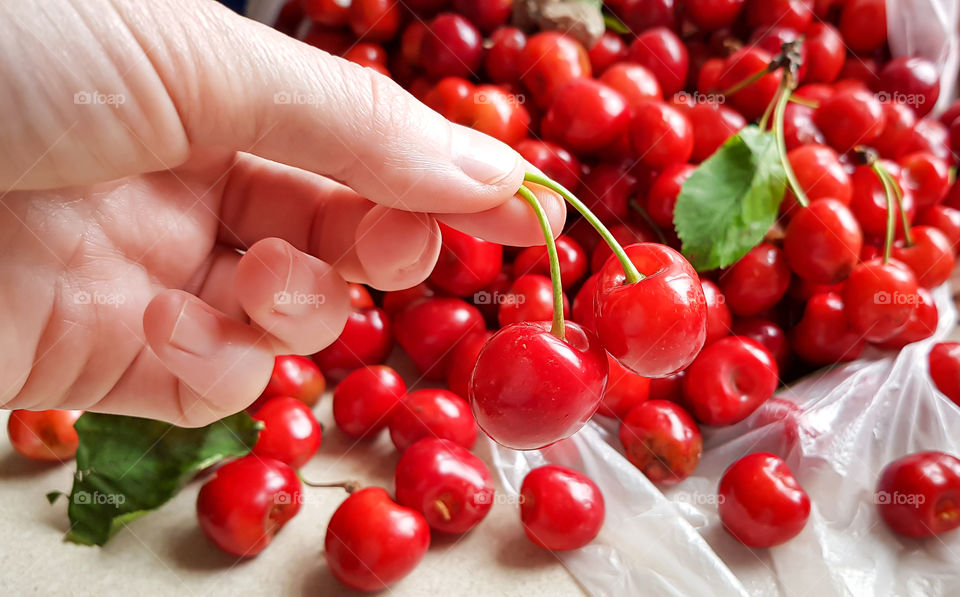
column 390, row 242
column 482, row 157
column 196, row 331
column 297, row 297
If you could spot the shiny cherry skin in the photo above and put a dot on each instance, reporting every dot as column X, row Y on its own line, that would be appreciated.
column 608, row 51
column 823, row 336
column 654, row 327
column 869, row 204
column 442, row 480
column 462, row 361
column 246, row 503
column 762, row 503
column 359, row 296
column 364, row 401
column 729, row 380
column 863, row 24
column 757, row 281
column 432, row 412
column 396, row 301
column 493, row 111
column 635, row 82
column 820, row 174
column 850, row 117
column 449, row 96
column 367, row 339
column 661, row 135
column 944, row 362
column 663, row 193
column 466, row 263
column 293, row 375
column 572, row 258
column 453, row 47
column 560, row 508
column 550, row 60
column 607, row 190
column 429, row 330
column 530, row 298
column 922, row 323
column 712, row 125
column 375, row 20
column 710, row 15
column 44, row 434
column 913, row 80
column 290, row 434
column 823, row 242
column 897, row 134
column 930, row 136
column 661, row 51
column 752, row 100
column 625, row 390
column 366, row 53
column 486, row 15
column 918, row 495
column 326, row 12
column 584, row 311
column 930, row 257
column 945, row 219
column 554, row 161
column 825, row 53
column 879, row 298
column 513, row 390
column 372, row 542
column 585, row 115
column 719, row 317
column 502, row 58
column 799, row 129
column 640, row 15
column 791, row 14
column 926, row 176
column 766, row 334
column 662, row 440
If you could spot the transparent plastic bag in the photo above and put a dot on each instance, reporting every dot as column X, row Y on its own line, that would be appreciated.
column 927, row 28
column 849, row 422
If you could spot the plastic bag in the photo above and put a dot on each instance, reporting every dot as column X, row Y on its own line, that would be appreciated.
column 927, row 28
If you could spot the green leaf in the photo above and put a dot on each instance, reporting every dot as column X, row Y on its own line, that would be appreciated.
column 614, row 24
column 730, row 201
column 127, row 467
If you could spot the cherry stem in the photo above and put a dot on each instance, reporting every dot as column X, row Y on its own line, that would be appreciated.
column 557, row 329
column 787, row 85
column 632, row 274
column 802, row 101
column 635, row 206
column 892, row 186
column 348, row 486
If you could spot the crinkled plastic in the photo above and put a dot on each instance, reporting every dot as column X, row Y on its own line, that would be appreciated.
column 849, row 422
column 927, row 28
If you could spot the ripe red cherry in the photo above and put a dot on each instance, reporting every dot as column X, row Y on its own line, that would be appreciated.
column 757, row 281
column 396, row 301
column 503, row 56
column 429, row 330
column 372, row 542
column 656, row 326
column 662, row 197
column 246, row 503
column 823, row 242
column 710, row 15
column 453, row 47
column 850, row 117
column 585, row 115
column 919, row 495
column 625, row 390
column 493, row 111
column 766, row 334
column 607, row 189
column 945, row 219
column 530, row 298
column 513, row 390
column 553, row 160
column 462, row 361
column 823, row 336
column 44, row 434
column 944, row 362
column 825, row 53
column 820, row 174
column 863, row 24
column 609, row 50
column 712, row 125
column 366, row 340
column 635, row 82
column 879, row 298
column 366, row 53
column 451, row 487
column 661, row 51
column 325, row 12
column 583, row 311
column 799, row 129
column 290, row 432
column 718, row 314
column 661, row 440
column 432, row 412
column 930, row 136
column 560, row 508
column 364, row 401
column 573, row 261
column 640, row 15
column 293, row 375
column 374, row 20
column 922, row 323
column 753, row 99
column 911, row 80
column 448, row 96
column 791, row 14
column 869, row 204
column 548, row 61
column 762, row 503
column 898, row 123
column 930, row 257
column 466, row 263
column 487, row 15
column 729, row 380
column 926, row 176
column 661, row 135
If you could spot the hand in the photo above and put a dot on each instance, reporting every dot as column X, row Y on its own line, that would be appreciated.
column 144, row 145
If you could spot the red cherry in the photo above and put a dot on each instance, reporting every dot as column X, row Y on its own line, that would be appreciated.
column 869, row 203
column 919, row 495
column 246, row 503
column 530, row 298
column 757, row 281
column 374, row 20
column 293, row 375
column 573, row 261
column 487, row 15
column 372, row 542
column 290, row 432
column 502, row 58
column 656, row 326
column 791, row 14
column 366, row 53
column 453, row 47
column 863, row 24
column 608, row 51
column 462, row 361
column 820, row 174
column 662, row 197
column 930, row 258
column 710, row 15
column 584, row 311
column 825, row 53
column 44, row 434
column 429, row 330
column 449, row 96
column 359, row 296
column 708, row 79
column 451, row 487
column 753, row 99
column 712, row 125
column 669, row 388
column 585, row 115
column 332, row 13
column 513, row 390
column 823, row 336
column 945, row 219
column 411, row 42
column 762, row 503
column 799, row 129
column 364, row 401
column 560, row 508
column 636, row 83
column 661, row 51
column 851, row 117
column 366, row 340
column 432, row 413
column 944, row 363
column 661, row 440
column 548, row 61
column 493, row 111
column 488, row 300
column 718, row 314
column 661, row 135
column 879, row 298
column 554, row 161
column 729, row 380
column 823, row 242
column 766, row 334
column 607, row 190
column 911, row 80
column 466, row 263
column 396, row 301
column 926, row 177
column 639, row 15
column 898, row 123
column 625, row 390
column 932, row 137
column 922, row 323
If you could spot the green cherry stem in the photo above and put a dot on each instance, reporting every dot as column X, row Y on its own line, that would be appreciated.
column 891, row 216
column 787, row 85
column 557, row 329
column 633, row 275
column 892, row 184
